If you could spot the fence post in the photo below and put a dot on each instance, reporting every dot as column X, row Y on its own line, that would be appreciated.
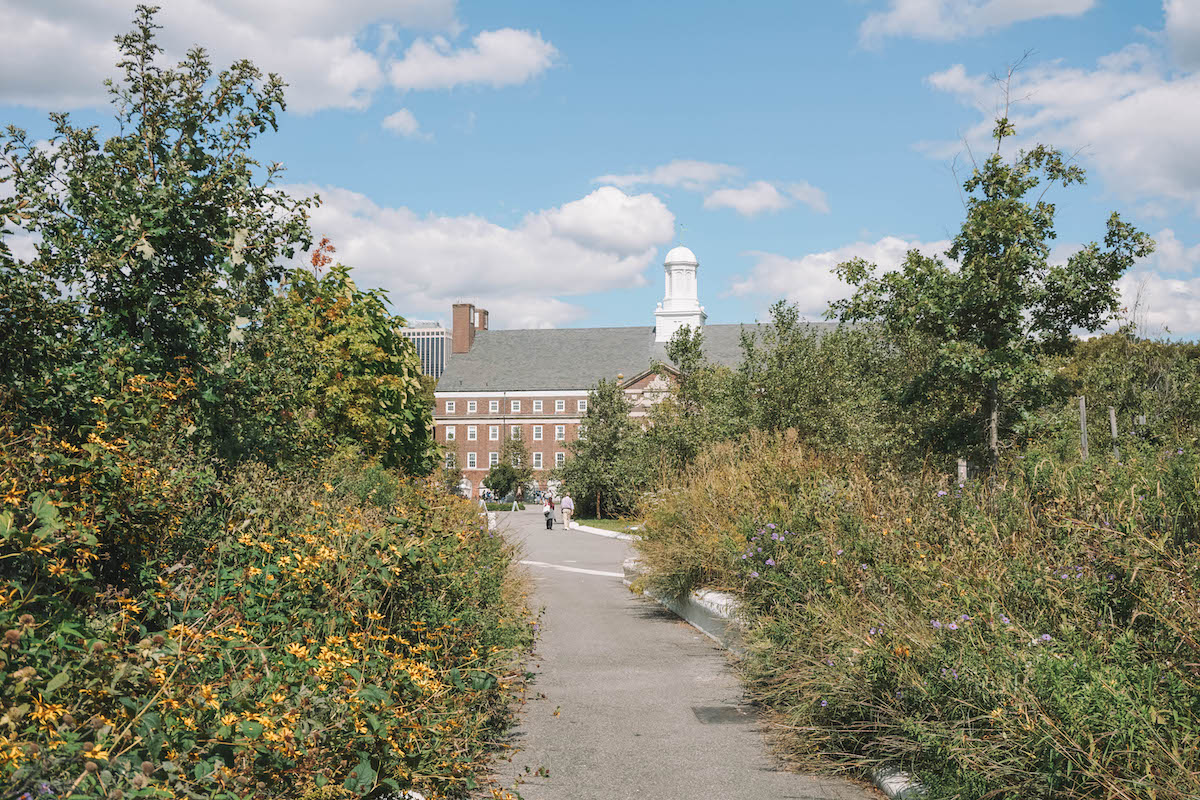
column 962, row 472
column 1083, row 444
column 1112, row 425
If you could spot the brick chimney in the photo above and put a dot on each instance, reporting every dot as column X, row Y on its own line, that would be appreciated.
column 481, row 316
column 462, row 328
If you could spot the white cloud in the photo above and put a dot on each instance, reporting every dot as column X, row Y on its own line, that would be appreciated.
column 1161, row 304
column 1131, row 117
column 612, row 221
column 520, row 274
column 503, row 57
column 1183, row 31
column 762, row 196
column 944, row 20
column 403, row 123
column 754, row 199
column 694, row 176
column 55, row 54
column 810, row 196
column 810, row 282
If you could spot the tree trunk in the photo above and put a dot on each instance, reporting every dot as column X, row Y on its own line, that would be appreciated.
column 993, row 409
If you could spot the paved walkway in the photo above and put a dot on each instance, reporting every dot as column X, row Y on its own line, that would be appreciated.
column 629, row 701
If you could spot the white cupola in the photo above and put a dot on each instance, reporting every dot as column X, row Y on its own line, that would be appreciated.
column 680, row 305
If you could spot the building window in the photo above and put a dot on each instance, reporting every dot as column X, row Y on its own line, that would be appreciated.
column 472, row 434
column 581, row 406
column 515, row 405
column 449, row 433
column 449, row 406
column 472, row 406
column 560, row 433
column 537, row 460
column 537, row 433
column 514, row 431
column 470, row 461
column 494, row 433
column 449, row 460
column 537, row 406
column 560, row 406
column 493, row 459
column 493, row 406
column 560, row 459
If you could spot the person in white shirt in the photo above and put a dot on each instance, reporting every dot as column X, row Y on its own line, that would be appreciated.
column 568, row 509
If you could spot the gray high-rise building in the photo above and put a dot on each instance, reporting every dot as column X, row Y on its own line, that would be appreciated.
column 433, row 345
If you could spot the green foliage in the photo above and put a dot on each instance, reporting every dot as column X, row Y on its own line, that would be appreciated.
column 609, row 466
column 214, row 580
column 1028, row 636
column 169, row 229
column 312, row 632
column 989, row 320
column 514, row 471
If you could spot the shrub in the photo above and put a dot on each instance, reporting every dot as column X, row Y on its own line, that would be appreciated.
column 1033, row 635
column 313, row 639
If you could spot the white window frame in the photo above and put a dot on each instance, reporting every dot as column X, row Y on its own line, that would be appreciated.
column 450, row 460
column 493, row 459
column 514, row 406
column 537, row 406
column 493, row 406
column 537, row 460
column 514, row 431
column 450, row 433
column 560, row 406
column 472, row 407
column 581, row 406
column 537, row 433
column 450, row 406
column 560, row 433
column 472, row 433
column 560, row 459
column 470, row 461
column 493, row 433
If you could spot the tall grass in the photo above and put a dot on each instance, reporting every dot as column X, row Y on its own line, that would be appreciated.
column 1031, row 635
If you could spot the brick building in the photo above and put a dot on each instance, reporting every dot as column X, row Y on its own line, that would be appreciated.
column 536, row 382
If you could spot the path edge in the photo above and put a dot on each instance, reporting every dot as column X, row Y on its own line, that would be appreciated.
column 715, row 614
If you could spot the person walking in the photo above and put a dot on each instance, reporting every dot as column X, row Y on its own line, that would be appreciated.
column 568, row 510
column 548, row 512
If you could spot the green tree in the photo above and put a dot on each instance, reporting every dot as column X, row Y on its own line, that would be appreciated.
column 514, row 472
column 989, row 320
column 168, row 230
column 608, row 467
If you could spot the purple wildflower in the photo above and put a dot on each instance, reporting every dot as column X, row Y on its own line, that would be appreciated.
column 753, row 574
column 771, row 525
column 1046, row 637
column 1004, row 619
column 935, row 623
column 863, row 567
column 760, row 549
column 965, row 618
column 941, row 493
column 953, row 626
column 743, row 556
column 770, row 562
column 1112, row 577
column 824, row 703
column 839, row 552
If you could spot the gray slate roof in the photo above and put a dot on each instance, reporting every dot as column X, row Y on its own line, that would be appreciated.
column 573, row 358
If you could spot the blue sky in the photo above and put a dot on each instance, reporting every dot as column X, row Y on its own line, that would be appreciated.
column 539, row 159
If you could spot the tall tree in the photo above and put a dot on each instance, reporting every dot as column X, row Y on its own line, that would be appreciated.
column 168, row 230
column 989, row 319
column 607, row 468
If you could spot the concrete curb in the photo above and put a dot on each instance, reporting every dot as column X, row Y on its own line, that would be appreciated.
column 715, row 614
column 625, row 537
